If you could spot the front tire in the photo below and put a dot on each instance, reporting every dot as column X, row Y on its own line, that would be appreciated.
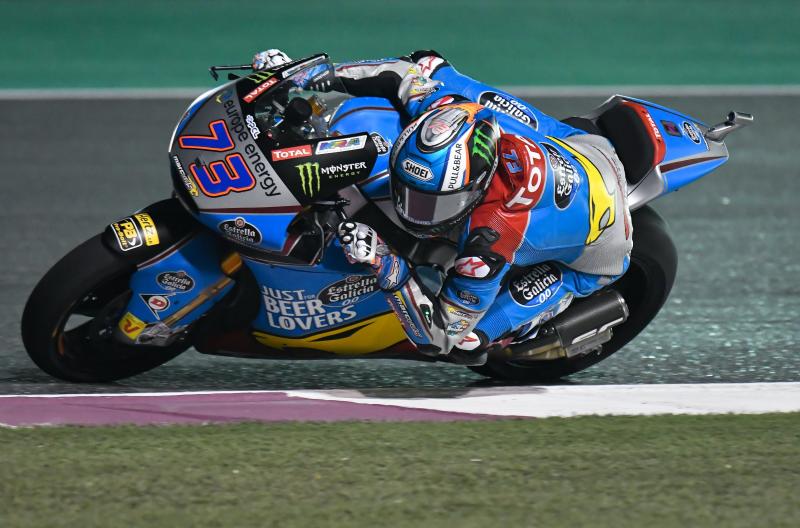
column 90, row 283
column 645, row 288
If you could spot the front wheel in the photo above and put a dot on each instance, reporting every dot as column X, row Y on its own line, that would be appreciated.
column 68, row 322
column 645, row 287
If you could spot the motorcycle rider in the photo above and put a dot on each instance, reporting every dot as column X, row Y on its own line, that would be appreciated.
column 538, row 208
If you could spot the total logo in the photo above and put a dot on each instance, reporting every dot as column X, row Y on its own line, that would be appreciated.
column 300, row 151
column 269, row 82
column 416, row 170
column 527, row 196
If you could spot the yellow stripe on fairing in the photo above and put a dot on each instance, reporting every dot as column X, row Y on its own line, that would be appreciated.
column 601, row 203
column 374, row 335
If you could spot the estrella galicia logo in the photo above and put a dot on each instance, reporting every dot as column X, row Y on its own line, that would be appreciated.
column 534, row 286
column 691, row 132
column 348, row 290
column 309, row 178
column 239, row 230
column 380, row 142
column 565, row 176
column 501, row 103
column 175, row 281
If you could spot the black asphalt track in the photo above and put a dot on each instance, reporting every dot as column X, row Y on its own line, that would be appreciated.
column 70, row 167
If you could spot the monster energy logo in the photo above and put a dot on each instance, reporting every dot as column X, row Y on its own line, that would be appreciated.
column 309, row 175
column 482, row 145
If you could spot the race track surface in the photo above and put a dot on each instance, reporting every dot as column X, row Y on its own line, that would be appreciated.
column 71, row 167
column 397, row 405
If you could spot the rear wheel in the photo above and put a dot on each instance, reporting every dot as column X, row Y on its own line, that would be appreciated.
column 645, row 288
column 68, row 322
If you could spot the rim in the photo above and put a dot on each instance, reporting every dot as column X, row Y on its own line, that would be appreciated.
column 85, row 331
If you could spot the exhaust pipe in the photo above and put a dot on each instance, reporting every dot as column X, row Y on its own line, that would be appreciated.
column 583, row 327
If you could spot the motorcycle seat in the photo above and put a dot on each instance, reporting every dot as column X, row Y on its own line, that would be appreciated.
column 628, row 133
column 622, row 126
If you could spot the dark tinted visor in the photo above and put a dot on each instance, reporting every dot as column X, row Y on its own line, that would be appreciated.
column 430, row 209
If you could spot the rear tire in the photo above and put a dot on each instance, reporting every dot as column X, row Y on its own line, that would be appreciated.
column 645, row 288
column 90, row 282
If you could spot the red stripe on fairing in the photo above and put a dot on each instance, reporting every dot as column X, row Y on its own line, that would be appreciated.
column 685, row 163
column 652, row 131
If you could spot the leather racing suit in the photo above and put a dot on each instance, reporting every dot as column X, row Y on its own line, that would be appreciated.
column 554, row 224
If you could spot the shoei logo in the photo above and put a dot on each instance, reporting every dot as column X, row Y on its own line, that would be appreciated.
column 415, row 170
column 309, row 178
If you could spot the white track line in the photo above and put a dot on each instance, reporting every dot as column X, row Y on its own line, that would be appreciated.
column 624, row 400
column 700, row 90
column 558, row 400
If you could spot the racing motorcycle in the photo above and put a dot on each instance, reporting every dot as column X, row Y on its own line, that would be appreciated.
column 243, row 261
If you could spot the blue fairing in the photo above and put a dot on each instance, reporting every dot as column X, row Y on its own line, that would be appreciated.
column 378, row 116
column 298, row 300
column 302, row 301
column 514, row 115
column 270, row 229
column 178, row 277
column 684, row 140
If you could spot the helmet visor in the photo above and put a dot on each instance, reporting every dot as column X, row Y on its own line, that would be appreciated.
column 431, row 209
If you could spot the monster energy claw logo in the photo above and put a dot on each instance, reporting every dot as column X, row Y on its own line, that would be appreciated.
column 482, row 144
column 309, row 177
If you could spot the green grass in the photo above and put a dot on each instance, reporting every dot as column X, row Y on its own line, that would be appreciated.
column 722, row 471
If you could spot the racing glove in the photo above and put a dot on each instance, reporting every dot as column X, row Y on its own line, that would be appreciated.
column 269, row 59
column 362, row 245
column 448, row 333
column 416, row 87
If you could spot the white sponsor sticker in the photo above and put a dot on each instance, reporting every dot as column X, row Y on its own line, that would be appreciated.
column 416, row 170
column 456, row 168
column 331, row 146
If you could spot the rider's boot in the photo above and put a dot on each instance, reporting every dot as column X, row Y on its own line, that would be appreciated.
column 472, row 351
column 468, row 358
